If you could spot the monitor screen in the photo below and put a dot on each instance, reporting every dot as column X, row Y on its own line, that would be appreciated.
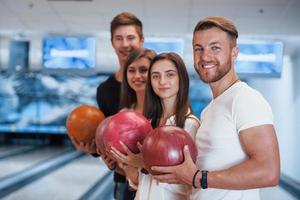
column 259, row 58
column 41, row 103
column 160, row 45
column 69, row 52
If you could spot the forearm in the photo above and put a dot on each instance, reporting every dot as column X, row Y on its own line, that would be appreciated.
column 247, row 175
column 134, row 179
column 132, row 175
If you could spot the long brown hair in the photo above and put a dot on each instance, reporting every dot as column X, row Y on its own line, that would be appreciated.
column 128, row 95
column 153, row 109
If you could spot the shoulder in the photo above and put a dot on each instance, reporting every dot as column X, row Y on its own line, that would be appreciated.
column 246, row 95
column 110, row 82
column 192, row 119
column 250, row 108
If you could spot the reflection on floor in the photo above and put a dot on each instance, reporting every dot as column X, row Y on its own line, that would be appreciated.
column 72, row 180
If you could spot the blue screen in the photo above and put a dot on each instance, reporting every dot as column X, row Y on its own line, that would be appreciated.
column 69, row 52
column 160, row 45
column 260, row 58
column 40, row 103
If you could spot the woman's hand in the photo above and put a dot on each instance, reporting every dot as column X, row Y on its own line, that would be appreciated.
column 132, row 159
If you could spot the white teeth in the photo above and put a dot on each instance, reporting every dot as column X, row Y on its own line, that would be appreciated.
column 208, row 66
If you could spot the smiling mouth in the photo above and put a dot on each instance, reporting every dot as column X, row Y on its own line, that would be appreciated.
column 207, row 66
column 139, row 83
column 125, row 52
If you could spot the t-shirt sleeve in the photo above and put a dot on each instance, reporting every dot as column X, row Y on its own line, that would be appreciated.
column 191, row 126
column 250, row 109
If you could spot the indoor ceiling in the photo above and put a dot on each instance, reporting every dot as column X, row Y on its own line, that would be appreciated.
column 274, row 19
column 258, row 17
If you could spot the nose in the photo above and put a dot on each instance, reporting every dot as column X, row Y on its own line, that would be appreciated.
column 125, row 43
column 205, row 56
column 162, row 80
column 137, row 74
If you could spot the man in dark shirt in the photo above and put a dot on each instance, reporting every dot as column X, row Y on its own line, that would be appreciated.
column 126, row 35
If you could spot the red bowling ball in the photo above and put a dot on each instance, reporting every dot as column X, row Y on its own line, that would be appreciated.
column 128, row 126
column 164, row 147
column 83, row 121
column 99, row 135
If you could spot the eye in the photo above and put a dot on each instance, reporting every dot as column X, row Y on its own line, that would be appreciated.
column 198, row 49
column 131, row 37
column 143, row 70
column 171, row 74
column 215, row 48
column 131, row 70
column 155, row 76
column 118, row 38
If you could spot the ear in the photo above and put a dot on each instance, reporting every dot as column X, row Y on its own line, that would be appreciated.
column 142, row 41
column 234, row 52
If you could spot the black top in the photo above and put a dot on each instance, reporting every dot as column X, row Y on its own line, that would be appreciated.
column 108, row 96
column 108, row 99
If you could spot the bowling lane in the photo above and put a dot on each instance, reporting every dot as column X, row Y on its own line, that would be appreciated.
column 13, row 150
column 5, row 149
column 17, row 163
column 69, row 182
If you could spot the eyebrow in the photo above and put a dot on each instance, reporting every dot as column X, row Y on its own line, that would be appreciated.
column 170, row 70
column 140, row 66
column 210, row 44
column 213, row 43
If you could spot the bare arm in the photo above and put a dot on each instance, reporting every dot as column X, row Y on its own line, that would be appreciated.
column 261, row 169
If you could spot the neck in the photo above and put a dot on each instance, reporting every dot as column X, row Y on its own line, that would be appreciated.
column 224, row 83
column 139, row 102
column 168, row 107
column 119, row 73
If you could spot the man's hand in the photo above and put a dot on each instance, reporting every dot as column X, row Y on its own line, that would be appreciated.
column 179, row 174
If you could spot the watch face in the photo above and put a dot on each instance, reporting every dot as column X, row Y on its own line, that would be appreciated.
column 203, row 180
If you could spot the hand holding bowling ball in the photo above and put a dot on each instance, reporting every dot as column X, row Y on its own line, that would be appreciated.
column 132, row 159
column 164, row 147
column 81, row 125
column 128, row 126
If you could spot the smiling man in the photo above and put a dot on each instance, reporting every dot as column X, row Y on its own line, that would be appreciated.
column 126, row 36
column 237, row 145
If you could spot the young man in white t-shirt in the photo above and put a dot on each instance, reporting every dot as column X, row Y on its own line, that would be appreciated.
column 237, row 145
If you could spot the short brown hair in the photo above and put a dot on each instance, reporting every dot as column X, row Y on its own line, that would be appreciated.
column 219, row 22
column 124, row 19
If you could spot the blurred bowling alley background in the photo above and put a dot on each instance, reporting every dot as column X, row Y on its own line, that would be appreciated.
column 54, row 54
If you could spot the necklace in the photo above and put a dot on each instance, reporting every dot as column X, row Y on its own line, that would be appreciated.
column 231, row 84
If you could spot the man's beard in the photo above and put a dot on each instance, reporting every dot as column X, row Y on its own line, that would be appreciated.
column 219, row 74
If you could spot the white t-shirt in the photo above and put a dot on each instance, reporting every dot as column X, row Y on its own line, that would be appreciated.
column 149, row 188
column 238, row 108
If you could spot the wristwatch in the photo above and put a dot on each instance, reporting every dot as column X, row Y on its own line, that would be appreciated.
column 203, row 180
